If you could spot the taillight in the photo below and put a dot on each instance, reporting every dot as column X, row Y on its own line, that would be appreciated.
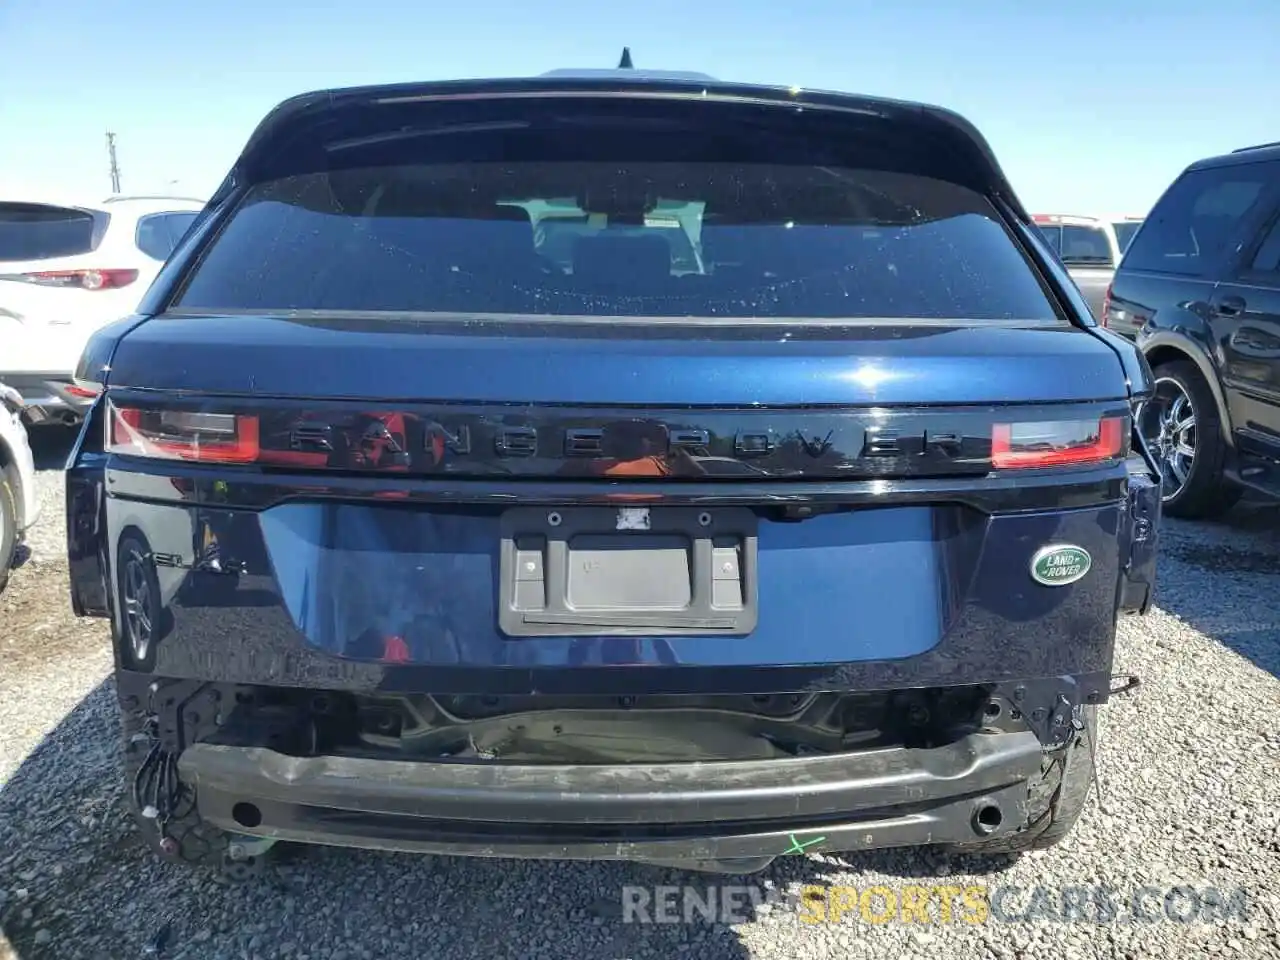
column 1058, row 443
column 83, row 279
column 1105, row 319
column 180, row 435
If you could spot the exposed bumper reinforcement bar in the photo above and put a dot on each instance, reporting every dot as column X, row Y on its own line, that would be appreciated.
column 656, row 812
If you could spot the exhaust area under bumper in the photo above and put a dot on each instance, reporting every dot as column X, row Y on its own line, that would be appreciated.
column 48, row 397
column 663, row 813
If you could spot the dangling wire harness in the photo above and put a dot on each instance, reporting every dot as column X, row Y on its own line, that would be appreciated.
column 158, row 792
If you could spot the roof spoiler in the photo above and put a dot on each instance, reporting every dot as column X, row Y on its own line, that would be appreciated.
column 1257, row 146
column 118, row 197
column 303, row 126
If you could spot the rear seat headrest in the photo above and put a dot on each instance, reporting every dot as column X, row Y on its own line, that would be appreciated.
column 621, row 258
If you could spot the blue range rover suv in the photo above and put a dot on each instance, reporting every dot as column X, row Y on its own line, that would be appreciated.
column 610, row 466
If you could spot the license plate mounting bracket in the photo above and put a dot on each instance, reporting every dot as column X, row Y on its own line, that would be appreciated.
column 628, row 570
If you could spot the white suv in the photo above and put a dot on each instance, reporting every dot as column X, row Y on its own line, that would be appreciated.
column 67, row 269
column 1090, row 248
column 19, row 505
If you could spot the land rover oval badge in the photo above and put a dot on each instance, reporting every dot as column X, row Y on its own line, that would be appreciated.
column 1060, row 564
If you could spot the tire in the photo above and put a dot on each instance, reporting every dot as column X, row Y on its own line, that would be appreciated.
column 191, row 841
column 1056, row 798
column 1204, row 491
column 8, row 525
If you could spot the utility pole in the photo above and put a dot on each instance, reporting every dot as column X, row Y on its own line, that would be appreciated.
column 115, row 167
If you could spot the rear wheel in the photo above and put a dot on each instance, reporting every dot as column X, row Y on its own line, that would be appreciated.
column 140, row 605
column 8, row 525
column 1183, row 430
column 1056, row 798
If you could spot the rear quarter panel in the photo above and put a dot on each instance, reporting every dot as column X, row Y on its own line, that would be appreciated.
column 1142, row 301
column 1168, row 318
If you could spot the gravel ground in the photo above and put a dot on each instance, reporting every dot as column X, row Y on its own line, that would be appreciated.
column 1188, row 762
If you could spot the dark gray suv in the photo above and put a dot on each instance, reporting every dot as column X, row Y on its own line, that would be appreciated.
column 1199, row 290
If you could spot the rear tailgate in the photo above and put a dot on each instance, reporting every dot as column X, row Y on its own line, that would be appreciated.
column 829, row 421
column 517, row 361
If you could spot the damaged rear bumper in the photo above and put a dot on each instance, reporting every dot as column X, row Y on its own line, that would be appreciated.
column 972, row 788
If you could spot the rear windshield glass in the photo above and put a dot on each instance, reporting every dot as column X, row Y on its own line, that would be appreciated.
column 158, row 233
column 1125, row 230
column 618, row 240
column 36, row 231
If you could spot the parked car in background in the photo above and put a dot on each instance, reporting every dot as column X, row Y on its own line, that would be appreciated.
column 19, row 505
column 1125, row 229
column 786, row 501
column 67, row 268
column 1199, row 290
column 1090, row 247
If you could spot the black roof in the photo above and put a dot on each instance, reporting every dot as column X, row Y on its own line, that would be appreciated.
column 1253, row 154
column 940, row 125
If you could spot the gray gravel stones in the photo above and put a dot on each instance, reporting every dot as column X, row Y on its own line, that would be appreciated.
column 1190, row 764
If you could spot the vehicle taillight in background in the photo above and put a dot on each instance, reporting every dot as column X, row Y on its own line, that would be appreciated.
column 82, row 390
column 1105, row 319
column 81, row 279
column 1058, row 443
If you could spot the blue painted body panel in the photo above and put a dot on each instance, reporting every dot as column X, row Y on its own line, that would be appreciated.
column 892, row 597
column 431, row 578
column 545, row 363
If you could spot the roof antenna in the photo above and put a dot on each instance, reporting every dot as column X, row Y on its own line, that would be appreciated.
column 626, row 64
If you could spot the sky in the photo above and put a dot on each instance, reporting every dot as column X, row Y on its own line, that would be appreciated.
column 1091, row 107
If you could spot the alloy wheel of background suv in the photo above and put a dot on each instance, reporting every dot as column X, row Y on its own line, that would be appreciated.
column 1181, row 426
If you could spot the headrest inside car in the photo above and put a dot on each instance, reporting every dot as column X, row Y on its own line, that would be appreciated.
column 621, row 260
